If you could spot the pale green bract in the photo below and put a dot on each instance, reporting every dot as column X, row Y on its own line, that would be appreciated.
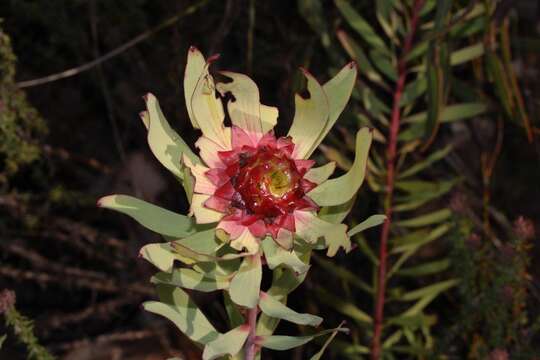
column 212, row 262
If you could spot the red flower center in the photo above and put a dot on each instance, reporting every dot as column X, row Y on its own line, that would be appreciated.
column 268, row 182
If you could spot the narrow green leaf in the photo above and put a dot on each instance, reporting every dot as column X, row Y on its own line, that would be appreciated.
column 343, row 274
column 373, row 220
column 452, row 113
column 418, row 238
column 191, row 279
column 343, row 306
column 423, row 164
column 414, row 90
column 176, row 306
column 150, row 216
column 357, row 54
column 276, row 309
column 429, row 268
column 466, row 54
column 362, row 27
column 283, row 342
column 245, row 286
column 229, row 343
column 318, row 355
column 427, row 219
column 340, row 190
column 428, row 290
column 383, row 64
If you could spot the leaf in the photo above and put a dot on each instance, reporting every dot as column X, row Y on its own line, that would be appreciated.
column 340, row 190
column 343, row 274
column 276, row 309
column 336, row 214
column 229, row 343
column 383, row 64
column 466, row 54
column 427, row 219
column 343, row 306
column 276, row 256
column 429, row 268
column 418, row 238
column 373, row 220
column 194, row 68
column 245, row 286
column 235, row 316
column 191, row 279
column 310, row 118
column 361, row 26
column 413, row 90
column 311, row 228
column 358, row 55
column 176, row 306
column 452, row 113
column 426, row 296
column 161, row 255
column 166, row 145
column 423, row 164
column 320, row 174
column 318, row 355
column 150, row 216
column 282, row 342
column 421, row 192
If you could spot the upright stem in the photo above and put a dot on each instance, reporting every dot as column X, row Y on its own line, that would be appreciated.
column 250, row 348
column 390, row 177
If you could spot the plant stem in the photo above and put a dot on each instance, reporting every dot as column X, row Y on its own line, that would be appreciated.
column 250, row 349
column 390, row 177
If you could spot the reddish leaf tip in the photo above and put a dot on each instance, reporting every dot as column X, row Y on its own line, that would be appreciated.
column 213, row 58
column 352, row 64
column 192, row 48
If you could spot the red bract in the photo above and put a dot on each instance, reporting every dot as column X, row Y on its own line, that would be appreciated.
column 260, row 186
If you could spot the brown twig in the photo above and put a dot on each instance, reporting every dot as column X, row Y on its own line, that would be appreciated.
column 136, row 40
column 391, row 158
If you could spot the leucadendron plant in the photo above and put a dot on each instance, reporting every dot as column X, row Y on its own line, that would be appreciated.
column 256, row 200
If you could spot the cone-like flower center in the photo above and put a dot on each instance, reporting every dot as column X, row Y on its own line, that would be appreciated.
column 268, row 182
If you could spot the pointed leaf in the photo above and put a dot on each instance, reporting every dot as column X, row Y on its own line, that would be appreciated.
column 229, row 343
column 276, row 256
column 191, row 279
column 310, row 118
column 340, row 190
column 282, row 342
column 176, row 306
column 318, row 355
column 245, row 286
column 343, row 306
column 427, row 219
column 373, row 220
column 194, row 68
column 150, row 216
column 275, row 309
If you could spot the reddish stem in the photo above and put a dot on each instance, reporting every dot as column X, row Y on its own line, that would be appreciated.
column 251, row 348
column 390, row 177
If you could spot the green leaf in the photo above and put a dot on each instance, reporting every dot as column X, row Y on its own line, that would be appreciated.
column 312, row 229
column 176, row 306
column 383, row 64
column 427, row 219
column 418, row 238
column 336, row 214
column 276, row 256
column 414, row 90
column 320, row 174
column 161, row 255
column 343, row 306
column 150, row 216
column 276, row 309
column 362, row 27
column 423, row 164
column 342, row 274
column 452, row 113
column 421, row 192
column 191, row 279
column 310, row 118
column 358, row 55
column 340, row 190
column 166, row 145
column 373, row 220
column 283, row 342
column 194, row 68
column 466, row 54
column 245, row 286
column 318, row 355
column 233, row 312
column 429, row 268
column 426, row 296
column 229, row 343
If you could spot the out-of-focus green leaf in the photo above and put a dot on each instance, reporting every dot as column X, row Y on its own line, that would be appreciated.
column 191, row 279
column 423, row 164
column 312, row 12
column 150, row 216
column 383, row 64
column 343, row 274
column 429, row 268
column 466, row 54
column 343, row 306
column 370, row 222
column 229, row 343
column 387, row 19
column 418, row 238
column 361, row 26
column 452, row 113
column 233, row 313
column 414, row 90
column 427, row 219
column 245, row 286
column 366, row 249
column 426, row 296
column 502, row 85
column 276, row 309
column 421, row 192
column 176, row 306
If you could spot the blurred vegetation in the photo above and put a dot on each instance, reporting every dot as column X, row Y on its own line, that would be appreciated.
column 461, row 279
